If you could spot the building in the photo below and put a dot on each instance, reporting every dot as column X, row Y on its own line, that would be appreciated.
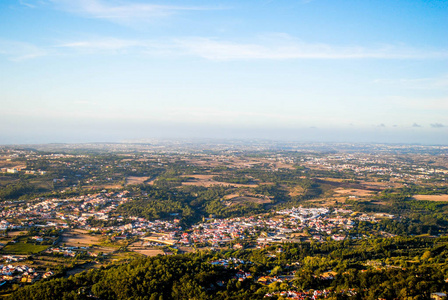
column 438, row 296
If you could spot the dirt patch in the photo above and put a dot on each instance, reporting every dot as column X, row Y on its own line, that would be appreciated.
column 228, row 197
column 15, row 233
column 148, row 252
column 353, row 192
column 299, row 234
column 134, row 180
column 443, row 197
column 79, row 238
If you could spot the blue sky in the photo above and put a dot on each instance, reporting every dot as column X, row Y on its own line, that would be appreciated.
column 97, row 70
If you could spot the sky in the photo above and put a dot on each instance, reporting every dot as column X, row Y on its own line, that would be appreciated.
column 299, row 70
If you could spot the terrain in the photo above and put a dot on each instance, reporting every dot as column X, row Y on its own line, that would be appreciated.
column 240, row 221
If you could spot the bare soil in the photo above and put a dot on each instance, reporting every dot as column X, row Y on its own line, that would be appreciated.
column 136, row 180
column 79, row 238
column 443, row 197
column 148, row 252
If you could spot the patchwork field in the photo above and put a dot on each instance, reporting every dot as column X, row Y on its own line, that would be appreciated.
column 431, row 197
column 207, row 180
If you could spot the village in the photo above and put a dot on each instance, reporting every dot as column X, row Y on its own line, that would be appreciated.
column 275, row 227
column 64, row 215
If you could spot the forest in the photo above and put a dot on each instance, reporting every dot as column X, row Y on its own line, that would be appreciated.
column 395, row 268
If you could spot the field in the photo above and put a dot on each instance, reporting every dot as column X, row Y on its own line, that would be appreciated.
column 207, row 180
column 79, row 238
column 23, row 248
column 5, row 180
column 15, row 233
column 431, row 197
column 148, row 252
column 132, row 180
column 353, row 192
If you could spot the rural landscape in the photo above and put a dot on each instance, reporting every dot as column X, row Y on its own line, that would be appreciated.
column 223, row 150
column 227, row 220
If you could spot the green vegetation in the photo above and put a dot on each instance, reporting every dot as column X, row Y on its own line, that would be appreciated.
column 97, row 190
column 23, row 248
column 380, row 268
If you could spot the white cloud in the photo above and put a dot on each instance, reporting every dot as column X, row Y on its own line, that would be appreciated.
column 24, row 3
column 108, row 45
column 19, row 51
column 121, row 11
column 269, row 47
column 272, row 47
column 284, row 47
column 431, row 83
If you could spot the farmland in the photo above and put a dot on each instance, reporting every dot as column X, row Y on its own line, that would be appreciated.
column 67, row 210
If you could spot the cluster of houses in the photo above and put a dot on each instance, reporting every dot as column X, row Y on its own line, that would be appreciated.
column 70, row 251
column 76, row 210
column 318, row 222
column 288, row 225
column 18, row 169
column 21, row 273
column 311, row 294
column 227, row 262
column 363, row 164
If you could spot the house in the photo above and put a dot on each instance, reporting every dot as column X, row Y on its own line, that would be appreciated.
column 438, row 296
column 12, row 171
column 238, row 246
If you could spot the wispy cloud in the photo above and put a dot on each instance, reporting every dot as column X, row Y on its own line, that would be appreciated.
column 416, row 125
column 105, row 45
column 121, row 11
column 280, row 47
column 115, row 46
column 27, row 4
column 19, row 51
column 437, row 125
column 431, row 83
column 271, row 47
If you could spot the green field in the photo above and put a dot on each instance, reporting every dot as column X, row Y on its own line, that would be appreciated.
column 23, row 248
